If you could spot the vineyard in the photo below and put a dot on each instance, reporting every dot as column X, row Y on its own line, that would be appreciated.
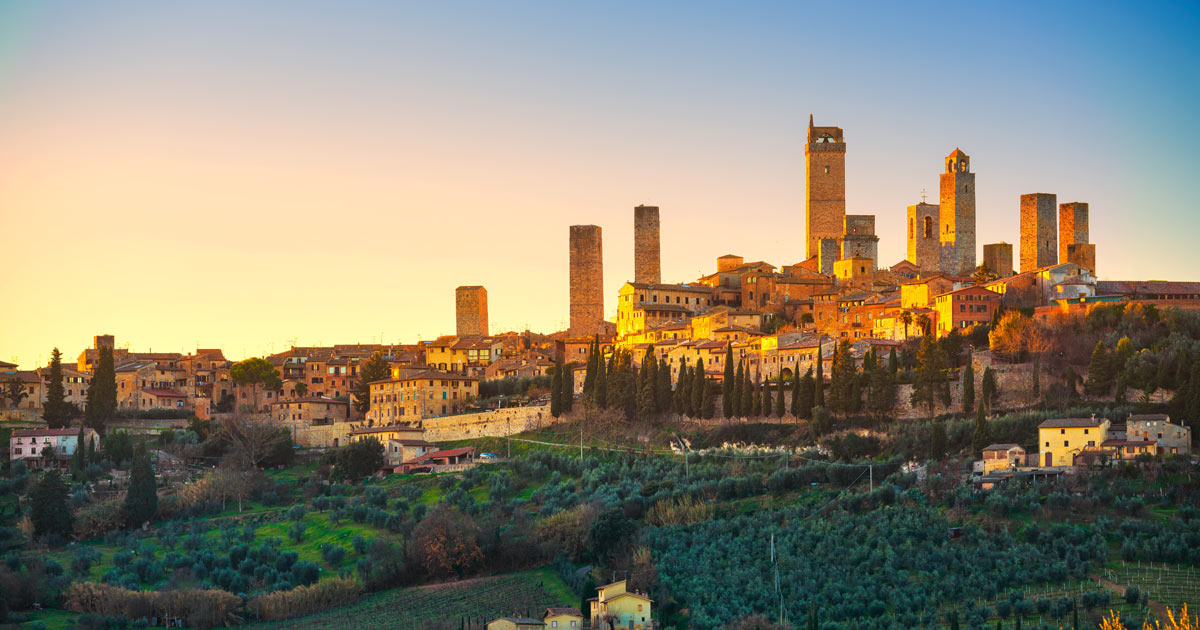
column 1168, row 584
column 471, row 603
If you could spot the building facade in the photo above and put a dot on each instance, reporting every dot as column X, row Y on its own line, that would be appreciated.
column 825, row 181
column 1039, row 231
column 957, row 212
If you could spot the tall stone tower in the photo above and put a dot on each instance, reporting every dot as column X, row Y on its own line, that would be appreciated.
column 924, row 247
column 999, row 258
column 587, row 280
column 645, row 245
column 957, row 211
column 1072, row 226
column 471, row 311
column 825, row 179
column 1039, row 231
column 858, row 238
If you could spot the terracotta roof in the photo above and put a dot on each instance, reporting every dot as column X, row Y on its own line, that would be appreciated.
column 311, row 399
column 411, row 442
column 454, row 452
column 25, row 376
column 45, row 432
column 562, row 611
column 695, row 288
column 1150, row 416
column 1001, row 447
column 164, row 393
column 1066, row 423
column 4, row 365
column 1138, row 287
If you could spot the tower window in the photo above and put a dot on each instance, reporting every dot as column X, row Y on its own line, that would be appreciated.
column 826, row 170
column 928, row 227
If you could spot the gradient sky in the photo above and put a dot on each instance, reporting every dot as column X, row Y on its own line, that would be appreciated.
column 213, row 174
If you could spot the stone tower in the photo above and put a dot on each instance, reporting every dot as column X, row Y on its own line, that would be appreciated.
column 471, row 311
column 858, row 238
column 999, row 258
column 587, row 280
column 957, row 211
column 1072, row 226
column 924, row 247
column 1082, row 254
column 827, row 254
column 1039, row 231
column 645, row 245
column 825, row 180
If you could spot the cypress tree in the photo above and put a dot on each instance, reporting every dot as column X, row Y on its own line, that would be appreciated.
column 982, row 437
column 566, row 399
column 699, row 386
column 855, row 404
column 937, row 441
column 77, row 458
column 647, row 399
column 1120, row 394
column 1193, row 397
column 49, row 512
column 727, row 383
column 780, row 404
column 748, row 395
column 893, row 363
column 683, row 388
column 819, row 380
column 662, row 386
column 589, row 378
column 968, row 396
column 54, row 411
column 556, row 390
column 739, row 381
column 990, row 391
column 601, row 382
column 707, row 404
column 795, row 407
column 802, row 404
column 756, row 398
column 102, row 392
column 141, row 500
column 93, row 456
column 1099, row 374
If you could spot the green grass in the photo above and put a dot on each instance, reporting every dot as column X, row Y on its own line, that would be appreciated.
column 480, row 599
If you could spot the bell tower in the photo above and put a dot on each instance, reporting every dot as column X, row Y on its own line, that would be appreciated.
column 956, row 233
column 825, row 180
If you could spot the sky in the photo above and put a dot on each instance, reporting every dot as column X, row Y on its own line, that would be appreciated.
column 252, row 175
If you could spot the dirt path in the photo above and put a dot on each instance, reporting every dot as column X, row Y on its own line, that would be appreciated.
column 1156, row 609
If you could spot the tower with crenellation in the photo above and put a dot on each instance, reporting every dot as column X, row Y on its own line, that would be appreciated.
column 956, row 234
column 825, row 180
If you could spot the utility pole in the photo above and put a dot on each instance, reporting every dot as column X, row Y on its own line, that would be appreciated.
column 580, row 442
column 871, row 471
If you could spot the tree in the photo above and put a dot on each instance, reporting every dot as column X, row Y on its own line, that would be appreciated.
column 662, row 386
column 984, row 274
column 1099, row 373
column 991, row 393
column 968, row 395
column 728, row 383
column 608, row 532
column 601, row 397
column 821, row 422
column 14, row 391
column 446, row 543
column 258, row 372
column 923, row 323
column 930, row 385
column 906, row 318
column 358, row 459
column 707, row 404
column 255, row 441
column 1121, row 355
column 49, row 513
column 842, row 377
column 893, row 364
column 881, row 391
column 78, row 458
column 556, row 390
column 683, row 384
column 593, row 361
column 739, row 382
column 802, row 396
column 780, row 404
column 982, row 437
column 55, row 411
column 937, row 441
column 102, row 392
column 756, row 398
column 748, row 395
column 566, row 381
column 699, row 386
column 141, row 500
column 819, row 378
column 1193, row 398
column 647, row 398
column 300, row 389
column 373, row 369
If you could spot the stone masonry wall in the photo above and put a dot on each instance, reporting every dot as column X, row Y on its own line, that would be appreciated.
column 498, row 423
column 999, row 258
column 1072, row 227
column 957, row 212
column 923, row 251
column 586, row 280
column 825, row 205
column 646, row 266
column 1039, row 231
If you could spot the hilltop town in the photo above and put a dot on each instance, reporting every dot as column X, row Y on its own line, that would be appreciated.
column 989, row 440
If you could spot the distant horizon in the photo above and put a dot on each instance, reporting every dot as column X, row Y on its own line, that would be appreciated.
column 218, row 175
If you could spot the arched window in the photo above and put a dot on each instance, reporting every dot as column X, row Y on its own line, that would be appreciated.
column 928, row 227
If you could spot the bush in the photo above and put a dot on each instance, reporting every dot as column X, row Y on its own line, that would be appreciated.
column 304, row 573
column 333, row 554
column 304, row 600
column 199, row 608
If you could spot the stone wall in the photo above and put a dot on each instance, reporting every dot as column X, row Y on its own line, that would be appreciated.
column 498, row 423
column 1072, row 227
column 923, row 250
column 957, row 211
column 1039, row 231
column 825, row 180
column 586, row 280
column 646, row 266
column 999, row 258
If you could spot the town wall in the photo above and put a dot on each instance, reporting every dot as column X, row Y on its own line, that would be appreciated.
column 497, row 423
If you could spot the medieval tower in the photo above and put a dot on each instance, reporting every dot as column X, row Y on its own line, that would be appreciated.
column 924, row 247
column 587, row 280
column 957, row 211
column 825, row 179
column 1073, row 245
column 1039, row 231
column 471, row 311
column 999, row 258
column 645, row 245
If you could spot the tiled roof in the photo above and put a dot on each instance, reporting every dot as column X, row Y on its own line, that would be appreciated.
column 1149, row 416
column 45, row 432
column 164, row 393
column 1136, row 287
column 1066, row 423
column 1001, row 447
column 694, row 288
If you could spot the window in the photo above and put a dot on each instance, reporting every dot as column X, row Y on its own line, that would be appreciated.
column 826, row 172
column 1066, row 443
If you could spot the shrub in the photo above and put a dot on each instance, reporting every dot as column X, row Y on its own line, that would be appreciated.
column 333, row 554
column 304, row 600
column 199, row 608
column 304, row 573
column 679, row 511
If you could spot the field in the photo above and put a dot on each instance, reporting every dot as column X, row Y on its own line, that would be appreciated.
column 471, row 603
column 1167, row 584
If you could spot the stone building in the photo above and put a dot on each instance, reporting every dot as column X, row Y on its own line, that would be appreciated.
column 957, row 212
column 858, row 238
column 999, row 258
column 1039, row 231
column 646, row 266
column 924, row 247
column 1073, row 244
column 825, row 179
column 1082, row 254
column 471, row 311
column 422, row 395
column 586, row 280
column 827, row 254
